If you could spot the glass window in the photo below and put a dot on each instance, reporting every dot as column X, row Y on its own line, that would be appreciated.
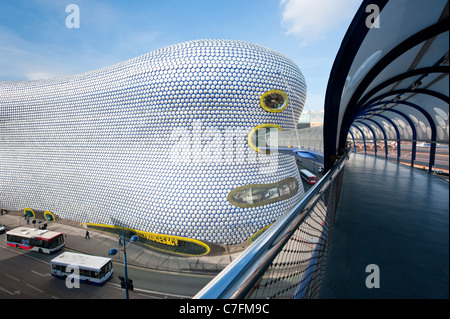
column 85, row 272
column 58, row 240
column 274, row 101
column 262, row 194
column 260, row 137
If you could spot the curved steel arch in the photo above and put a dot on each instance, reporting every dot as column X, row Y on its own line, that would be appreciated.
column 373, row 134
column 423, row 35
column 422, row 71
column 421, row 110
column 384, row 135
column 363, row 136
column 391, row 109
column 353, row 139
column 435, row 94
column 417, row 53
column 397, row 132
column 413, row 128
column 432, row 126
column 350, row 46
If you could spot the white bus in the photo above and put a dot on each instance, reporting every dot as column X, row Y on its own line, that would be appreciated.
column 41, row 240
column 91, row 269
column 309, row 177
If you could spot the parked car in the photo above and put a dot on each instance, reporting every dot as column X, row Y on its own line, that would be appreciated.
column 2, row 229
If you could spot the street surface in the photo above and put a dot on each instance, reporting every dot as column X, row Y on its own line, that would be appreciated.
column 26, row 274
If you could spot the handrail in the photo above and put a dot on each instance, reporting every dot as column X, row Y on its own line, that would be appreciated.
column 239, row 277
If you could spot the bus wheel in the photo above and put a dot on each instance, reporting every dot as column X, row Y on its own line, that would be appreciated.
column 87, row 281
column 17, row 246
column 40, row 250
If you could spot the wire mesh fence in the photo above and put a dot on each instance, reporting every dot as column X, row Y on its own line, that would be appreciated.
column 289, row 259
column 298, row 269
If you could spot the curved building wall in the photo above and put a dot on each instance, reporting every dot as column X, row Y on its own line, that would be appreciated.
column 156, row 143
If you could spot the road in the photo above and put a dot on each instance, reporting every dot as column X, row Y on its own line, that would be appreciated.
column 26, row 277
column 25, row 274
column 163, row 284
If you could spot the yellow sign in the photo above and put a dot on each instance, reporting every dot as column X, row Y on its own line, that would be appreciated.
column 169, row 240
column 163, row 239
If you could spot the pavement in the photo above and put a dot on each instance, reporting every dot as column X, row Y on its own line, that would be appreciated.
column 100, row 243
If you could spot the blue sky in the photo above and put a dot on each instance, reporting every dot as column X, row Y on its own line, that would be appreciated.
column 36, row 44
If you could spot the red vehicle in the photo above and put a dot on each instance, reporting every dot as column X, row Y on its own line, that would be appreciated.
column 309, row 177
column 43, row 241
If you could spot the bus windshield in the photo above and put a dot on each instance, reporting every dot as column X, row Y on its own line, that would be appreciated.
column 56, row 241
column 106, row 269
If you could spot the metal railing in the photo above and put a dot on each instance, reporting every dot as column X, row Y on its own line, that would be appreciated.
column 288, row 260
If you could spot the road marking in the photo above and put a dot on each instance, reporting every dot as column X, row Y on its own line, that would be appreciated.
column 35, row 288
column 11, row 277
column 38, row 273
column 151, row 297
column 9, row 292
column 22, row 252
column 144, row 291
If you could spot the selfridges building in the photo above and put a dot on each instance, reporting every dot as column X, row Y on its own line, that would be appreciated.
column 172, row 144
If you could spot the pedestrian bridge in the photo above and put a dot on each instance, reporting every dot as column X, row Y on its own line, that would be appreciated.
column 372, row 227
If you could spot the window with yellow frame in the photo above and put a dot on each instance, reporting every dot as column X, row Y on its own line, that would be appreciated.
column 274, row 101
column 257, row 137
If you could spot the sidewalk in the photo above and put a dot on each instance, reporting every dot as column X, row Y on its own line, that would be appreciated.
column 100, row 243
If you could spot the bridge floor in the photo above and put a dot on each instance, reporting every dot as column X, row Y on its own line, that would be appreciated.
column 397, row 218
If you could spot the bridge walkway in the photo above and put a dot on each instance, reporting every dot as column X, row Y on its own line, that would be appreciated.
column 396, row 218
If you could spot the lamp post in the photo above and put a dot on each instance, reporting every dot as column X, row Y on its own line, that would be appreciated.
column 114, row 251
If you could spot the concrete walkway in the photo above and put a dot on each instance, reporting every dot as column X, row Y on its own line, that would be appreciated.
column 396, row 218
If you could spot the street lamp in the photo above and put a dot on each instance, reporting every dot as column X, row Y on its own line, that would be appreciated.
column 114, row 251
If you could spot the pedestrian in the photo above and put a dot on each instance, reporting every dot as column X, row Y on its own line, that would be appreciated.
column 28, row 221
column 87, row 235
column 120, row 240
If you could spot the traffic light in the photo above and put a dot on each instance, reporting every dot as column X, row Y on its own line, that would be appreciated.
column 129, row 282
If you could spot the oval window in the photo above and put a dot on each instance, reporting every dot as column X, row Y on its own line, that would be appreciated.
column 274, row 101
column 262, row 194
column 259, row 137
